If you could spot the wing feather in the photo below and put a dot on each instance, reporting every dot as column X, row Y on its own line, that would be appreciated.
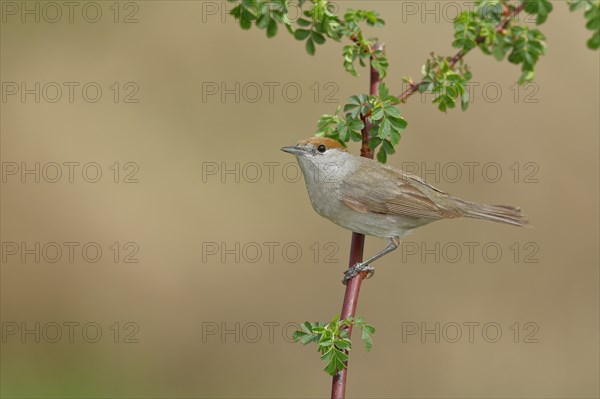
column 397, row 193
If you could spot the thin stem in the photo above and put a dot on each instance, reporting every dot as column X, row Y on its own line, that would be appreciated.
column 338, row 387
column 414, row 87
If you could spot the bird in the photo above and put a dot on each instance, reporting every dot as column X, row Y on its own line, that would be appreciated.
column 375, row 199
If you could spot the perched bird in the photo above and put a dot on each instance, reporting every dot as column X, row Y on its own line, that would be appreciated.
column 367, row 197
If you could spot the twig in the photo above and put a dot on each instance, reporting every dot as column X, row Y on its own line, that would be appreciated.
column 338, row 387
column 414, row 87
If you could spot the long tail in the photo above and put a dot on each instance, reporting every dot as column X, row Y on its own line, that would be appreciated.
column 495, row 213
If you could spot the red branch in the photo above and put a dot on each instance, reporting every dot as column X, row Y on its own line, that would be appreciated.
column 414, row 87
column 338, row 387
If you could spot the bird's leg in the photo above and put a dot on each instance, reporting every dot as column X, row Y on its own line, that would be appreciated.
column 364, row 266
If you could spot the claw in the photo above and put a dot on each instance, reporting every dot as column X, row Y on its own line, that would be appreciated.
column 355, row 270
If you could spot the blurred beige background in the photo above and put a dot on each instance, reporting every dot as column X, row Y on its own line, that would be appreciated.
column 187, row 300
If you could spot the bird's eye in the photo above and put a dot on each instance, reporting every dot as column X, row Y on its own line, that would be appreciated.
column 321, row 148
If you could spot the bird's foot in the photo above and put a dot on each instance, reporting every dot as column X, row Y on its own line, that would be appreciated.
column 356, row 269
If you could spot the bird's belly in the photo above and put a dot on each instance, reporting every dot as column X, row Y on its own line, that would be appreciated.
column 373, row 224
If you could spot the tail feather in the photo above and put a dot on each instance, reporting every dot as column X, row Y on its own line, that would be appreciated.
column 495, row 213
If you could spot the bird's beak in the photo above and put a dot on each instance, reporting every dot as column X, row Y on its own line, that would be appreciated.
column 293, row 149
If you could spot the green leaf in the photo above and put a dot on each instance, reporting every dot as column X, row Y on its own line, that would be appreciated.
column 541, row 8
column 391, row 110
column 399, row 124
column 388, row 148
column 594, row 42
column 343, row 132
column 356, row 125
column 310, row 47
column 263, row 21
column 385, row 129
column 366, row 332
column 301, row 34
column 381, row 155
column 272, row 28
column 377, row 114
column 464, row 101
column 592, row 15
column 245, row 22
column 335, row 359
column 383, row 90
column 304, row 22
column 355, row 100
column 355, row 136
column 527, row 76
column 318, row 38
column 374, row 142
column 395, row 138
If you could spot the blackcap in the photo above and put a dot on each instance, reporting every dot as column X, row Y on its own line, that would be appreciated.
column 368, row 197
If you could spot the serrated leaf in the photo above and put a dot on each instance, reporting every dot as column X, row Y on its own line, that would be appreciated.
column 383, row 90
column 374, row 143
column 377, row 114
column 399, row 124
column 385, row 129
column 388, row 148
column 343, row 132
column 356, row 125
column 391, row 110
column 355, row 136
column 335, row 361
column 365, row 335
column 395, row 137
column 354, row 100
column 381, row 155
column 349, row 107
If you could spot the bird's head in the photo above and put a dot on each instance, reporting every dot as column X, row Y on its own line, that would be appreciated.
column 316, row 147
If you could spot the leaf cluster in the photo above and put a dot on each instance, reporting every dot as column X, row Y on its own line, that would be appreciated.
column 318, row 23
column 484, row 27
column 380, row 112
column 448, row 82
column 333, row 342
column 592, row 15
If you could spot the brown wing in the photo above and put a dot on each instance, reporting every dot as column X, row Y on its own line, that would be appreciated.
column 396, row 193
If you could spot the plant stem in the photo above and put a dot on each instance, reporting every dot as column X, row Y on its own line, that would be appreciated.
column 338, row 387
